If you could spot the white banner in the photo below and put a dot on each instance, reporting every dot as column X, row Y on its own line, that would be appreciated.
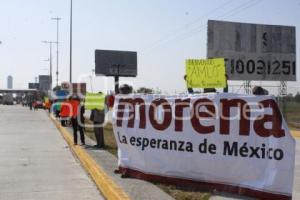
column 230, row 142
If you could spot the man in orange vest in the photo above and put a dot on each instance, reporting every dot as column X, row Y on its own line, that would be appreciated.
column 77, row 122
column 47, row 105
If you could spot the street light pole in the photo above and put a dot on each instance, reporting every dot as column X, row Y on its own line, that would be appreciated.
column 71, row 42
column 50, row 60
column 57, row 43
column 91, row 79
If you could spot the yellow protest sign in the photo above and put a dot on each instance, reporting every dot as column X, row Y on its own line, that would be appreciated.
column 205, row 73
column 94, row 101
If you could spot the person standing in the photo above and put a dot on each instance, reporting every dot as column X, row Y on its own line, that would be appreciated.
column 190, row 90
column 109, row 101
column 56, row 108
column 30, row 104
column 76, row 120
column 98, row 117
column 81, row 122
column 65, row 111
column 225, row 89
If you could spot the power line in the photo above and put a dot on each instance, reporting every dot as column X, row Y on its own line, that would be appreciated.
column 183, row 28
column 231, row 12
column 202, row 26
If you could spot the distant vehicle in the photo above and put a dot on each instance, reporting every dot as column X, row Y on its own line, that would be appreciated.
column 38, row 105
column 8, row 99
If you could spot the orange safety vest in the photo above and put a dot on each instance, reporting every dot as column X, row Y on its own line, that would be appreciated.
column 47, row 105
column 65, row 109
column 75, row 104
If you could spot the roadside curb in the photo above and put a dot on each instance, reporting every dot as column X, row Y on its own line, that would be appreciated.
column 105, row 184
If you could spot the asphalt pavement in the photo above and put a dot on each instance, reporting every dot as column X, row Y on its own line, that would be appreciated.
column 35, row 161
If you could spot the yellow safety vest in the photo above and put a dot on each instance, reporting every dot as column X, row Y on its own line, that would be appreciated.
column 94, row 101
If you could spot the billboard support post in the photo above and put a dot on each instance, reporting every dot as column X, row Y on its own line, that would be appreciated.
column 282, row 100
column 116, row 84
column 247, row 87
column 116, row 64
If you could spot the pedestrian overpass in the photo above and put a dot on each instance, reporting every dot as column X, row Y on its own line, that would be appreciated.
column 17, row 91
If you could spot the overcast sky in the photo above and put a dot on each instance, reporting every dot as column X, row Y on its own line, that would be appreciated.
column 163, row 32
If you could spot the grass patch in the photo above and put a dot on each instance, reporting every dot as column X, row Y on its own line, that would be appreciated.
column 293, row 115
column 178, row 193
column 109, row 139
column 184, row 193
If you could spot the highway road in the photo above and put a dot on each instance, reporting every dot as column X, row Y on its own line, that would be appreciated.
column 35, row 161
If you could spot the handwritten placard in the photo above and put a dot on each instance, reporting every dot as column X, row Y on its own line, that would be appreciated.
column 205, row 73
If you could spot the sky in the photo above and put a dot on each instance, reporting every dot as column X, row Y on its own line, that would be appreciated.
column 163, row 32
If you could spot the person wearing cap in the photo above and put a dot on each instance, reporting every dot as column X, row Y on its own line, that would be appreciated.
column 189, row 89
column 125, row 89
column 225, row 89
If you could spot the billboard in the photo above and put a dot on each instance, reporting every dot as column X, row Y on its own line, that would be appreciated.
column 33, row 86
column 65, row 85
column 44, row 82
column 254, row 51
column 79, row 88
column 75, row 88
column 116, row 63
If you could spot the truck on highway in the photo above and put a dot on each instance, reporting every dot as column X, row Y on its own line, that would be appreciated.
column 8, row 99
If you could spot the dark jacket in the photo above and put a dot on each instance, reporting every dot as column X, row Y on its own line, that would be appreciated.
column 97, row 116
column 82, row 111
